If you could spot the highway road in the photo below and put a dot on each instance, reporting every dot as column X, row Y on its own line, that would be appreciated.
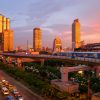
column 24, row 91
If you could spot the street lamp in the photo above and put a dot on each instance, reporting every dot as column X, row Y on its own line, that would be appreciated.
column 80, row 72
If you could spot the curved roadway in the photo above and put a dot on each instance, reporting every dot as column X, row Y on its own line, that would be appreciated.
column 24, row 91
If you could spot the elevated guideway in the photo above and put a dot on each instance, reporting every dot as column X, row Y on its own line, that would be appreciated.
column 47, row 57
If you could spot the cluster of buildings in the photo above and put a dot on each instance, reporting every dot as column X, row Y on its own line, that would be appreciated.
column 77, row 44
column 57, row 43
column 37, row 41
column 7, row 38
column 6, row 35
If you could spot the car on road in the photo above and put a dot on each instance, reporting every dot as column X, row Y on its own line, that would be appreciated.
column 15, row 92
column 5, row 91
column 10, row 97
column 4, row 82
column 11, row 87
column 19, row 97
column 0, row 85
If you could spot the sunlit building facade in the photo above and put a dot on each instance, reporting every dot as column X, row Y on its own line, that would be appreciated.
column 76, row 41
column 37, row 39
column 6, row 34
column 1, row 22
column 7, row 23
column 4, row 23
column 8, row 40
column 57, row 45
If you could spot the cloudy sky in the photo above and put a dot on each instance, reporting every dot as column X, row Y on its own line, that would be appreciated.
column 54, row 17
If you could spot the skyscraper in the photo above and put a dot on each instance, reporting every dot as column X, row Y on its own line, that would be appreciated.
column 37, row 39
column 6, row 34
column 1, row 22
column 8, row 40
column 57, row 45
column 7, row 23
column 76, row 43
column 4, row 23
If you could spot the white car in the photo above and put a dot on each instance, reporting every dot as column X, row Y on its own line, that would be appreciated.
column 5, row 91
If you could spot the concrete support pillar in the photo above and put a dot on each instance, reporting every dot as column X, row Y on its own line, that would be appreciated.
column 4, row 59
column 19, row 62
column 10, row 60
column 97, row 71
column 64, row 74
column 42, row 61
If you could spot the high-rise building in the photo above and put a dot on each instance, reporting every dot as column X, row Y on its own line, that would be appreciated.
column 37, row 39
column 57, row 45
column 8, row 40
column 1, row 22
column 4, row 23
column 76, row 42
column 6, row 34
column 8, row 23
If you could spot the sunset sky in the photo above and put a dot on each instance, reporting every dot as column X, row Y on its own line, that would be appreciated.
column 54, row 17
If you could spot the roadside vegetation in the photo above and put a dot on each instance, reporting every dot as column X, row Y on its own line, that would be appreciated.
column 35, row 82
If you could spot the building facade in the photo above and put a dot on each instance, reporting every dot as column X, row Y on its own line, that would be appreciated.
column 8, row 40
column 1, row 20
column 6, row 34
column 37, row 39
column 57, row 45
column 76, row 41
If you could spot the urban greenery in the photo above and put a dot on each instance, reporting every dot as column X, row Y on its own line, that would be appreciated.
column 47, row 72
column 34, row 81
column 83, row 81
column 95, row 84
column 54, row 72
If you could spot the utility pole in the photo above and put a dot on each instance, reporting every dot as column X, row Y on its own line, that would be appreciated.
column 27, row 45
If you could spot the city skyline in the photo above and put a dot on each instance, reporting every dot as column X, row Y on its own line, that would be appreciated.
column 55, row 20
